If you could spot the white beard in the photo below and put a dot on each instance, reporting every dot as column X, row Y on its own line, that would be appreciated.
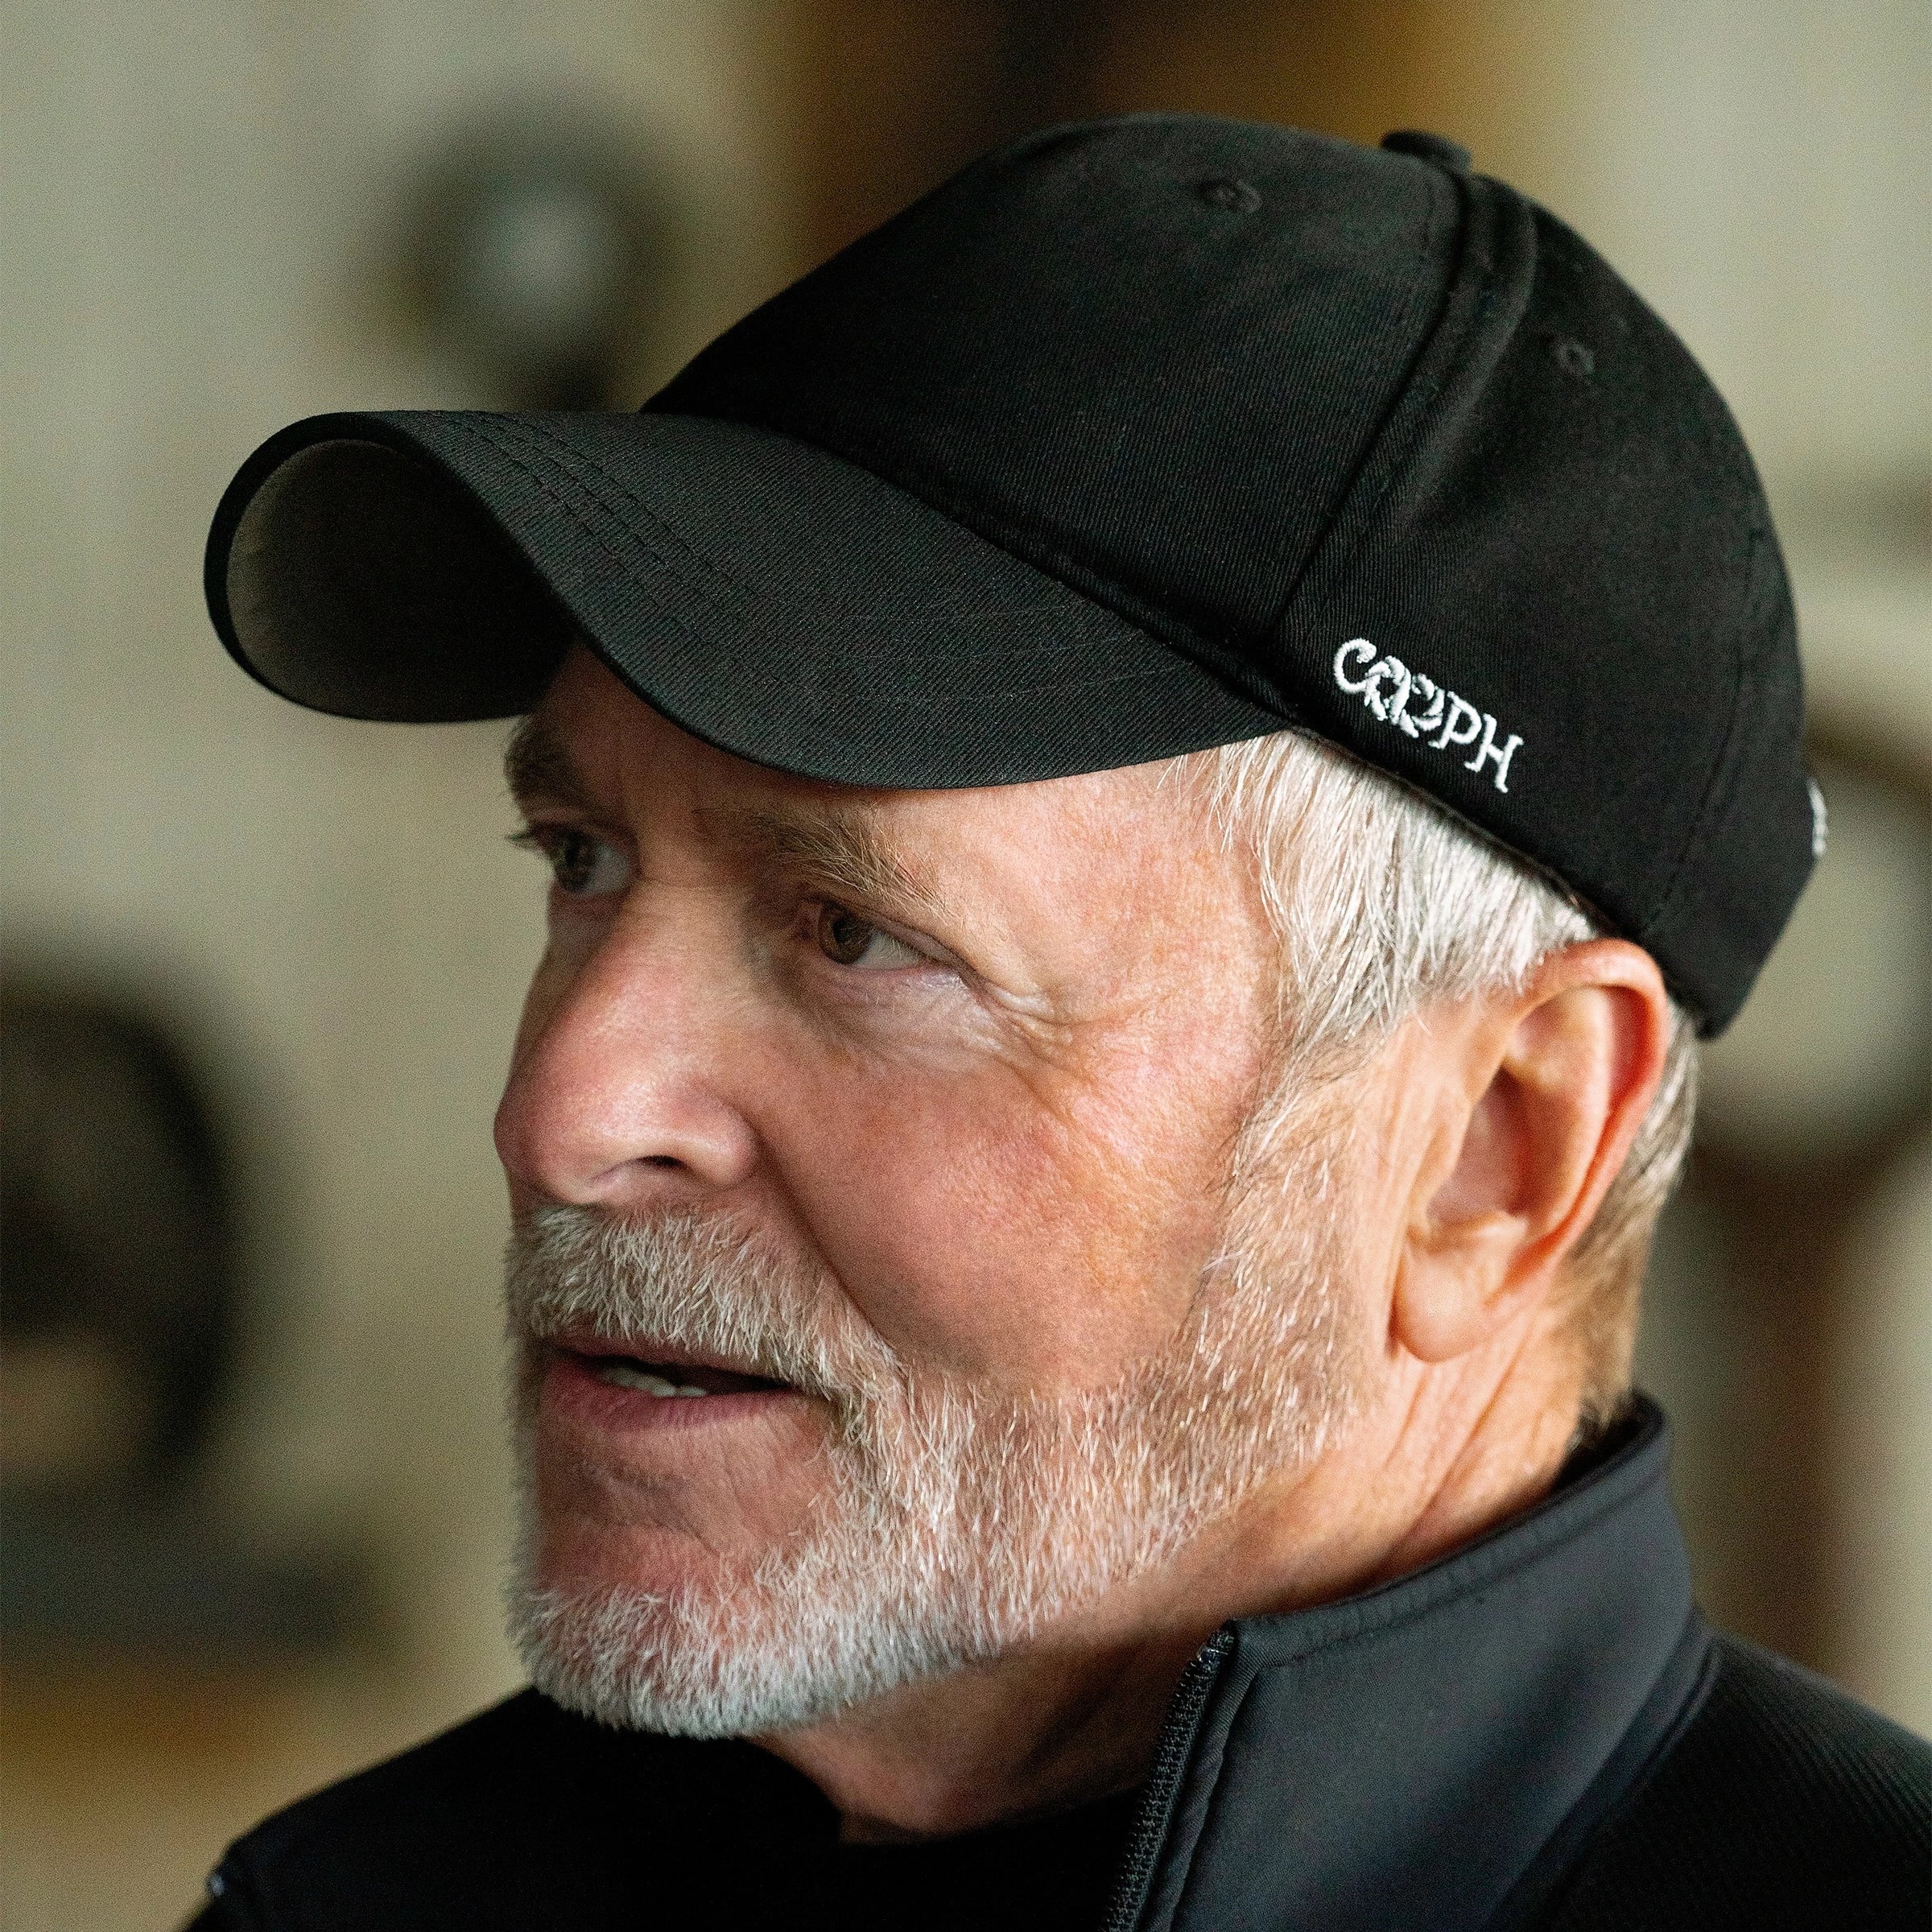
column 956, row 1523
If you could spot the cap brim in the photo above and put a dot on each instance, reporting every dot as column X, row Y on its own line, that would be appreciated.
column 772, row 598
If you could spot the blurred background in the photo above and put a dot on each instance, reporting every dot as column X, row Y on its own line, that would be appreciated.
column 262, row 967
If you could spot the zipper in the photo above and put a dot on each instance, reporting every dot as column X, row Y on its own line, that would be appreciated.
column 1170, row 1759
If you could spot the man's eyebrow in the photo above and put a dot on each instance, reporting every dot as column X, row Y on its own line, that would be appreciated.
column 841, row 848
column 536, row 766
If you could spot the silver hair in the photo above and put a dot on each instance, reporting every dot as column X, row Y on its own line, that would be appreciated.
column 1382, row 901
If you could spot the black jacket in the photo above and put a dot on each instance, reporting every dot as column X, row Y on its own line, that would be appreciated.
column 1538, row 1731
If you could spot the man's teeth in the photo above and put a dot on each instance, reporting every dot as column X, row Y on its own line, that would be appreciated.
column 614, row 1369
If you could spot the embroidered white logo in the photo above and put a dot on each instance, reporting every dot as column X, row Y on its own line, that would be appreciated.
column 1390, row 688
column 1820, row 822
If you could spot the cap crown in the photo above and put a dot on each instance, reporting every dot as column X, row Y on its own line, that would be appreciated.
column 1383, row 446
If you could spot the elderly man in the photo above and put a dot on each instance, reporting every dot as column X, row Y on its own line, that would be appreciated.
column 1147, row 778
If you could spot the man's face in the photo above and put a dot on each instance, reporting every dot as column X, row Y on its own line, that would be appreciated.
column 903, row 1124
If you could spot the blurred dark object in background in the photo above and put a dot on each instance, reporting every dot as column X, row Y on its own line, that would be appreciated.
column 117, row 1253
column 120, row 1298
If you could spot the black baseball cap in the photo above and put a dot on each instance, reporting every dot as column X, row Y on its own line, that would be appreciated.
column 1134, row 438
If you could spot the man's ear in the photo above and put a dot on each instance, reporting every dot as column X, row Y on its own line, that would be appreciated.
column 1539, row 1093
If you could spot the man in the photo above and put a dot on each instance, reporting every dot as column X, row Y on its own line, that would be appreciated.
column 1147, row 778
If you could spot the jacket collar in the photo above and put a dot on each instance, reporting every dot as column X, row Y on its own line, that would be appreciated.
column 1400, row 1758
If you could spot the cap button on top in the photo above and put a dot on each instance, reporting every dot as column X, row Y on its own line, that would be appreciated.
column 1232, row 196
column 1438, row 148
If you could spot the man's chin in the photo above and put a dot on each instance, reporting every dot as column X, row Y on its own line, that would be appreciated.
column 675, row 1544
column 722, row 1658
column 597, row 1520
column 637, row 1565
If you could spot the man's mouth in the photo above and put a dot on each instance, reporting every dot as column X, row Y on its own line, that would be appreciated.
column 666, row 1377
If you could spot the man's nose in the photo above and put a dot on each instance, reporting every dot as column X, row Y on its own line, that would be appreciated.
column 615, row 1099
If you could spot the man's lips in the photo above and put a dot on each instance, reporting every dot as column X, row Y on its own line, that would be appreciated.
column 685, row 1368
column 644, row 1383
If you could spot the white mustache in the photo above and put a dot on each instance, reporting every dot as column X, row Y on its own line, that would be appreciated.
column 688, row 1280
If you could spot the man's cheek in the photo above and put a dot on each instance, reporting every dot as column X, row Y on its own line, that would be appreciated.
column 974, row 1239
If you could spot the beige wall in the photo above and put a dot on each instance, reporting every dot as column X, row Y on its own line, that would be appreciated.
column 193, row 191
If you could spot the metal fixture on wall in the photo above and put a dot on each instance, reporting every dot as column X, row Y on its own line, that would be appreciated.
column 534, row 254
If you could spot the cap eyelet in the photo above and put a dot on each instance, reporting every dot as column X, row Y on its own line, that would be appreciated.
column 1573, row 358
column 1232, row 196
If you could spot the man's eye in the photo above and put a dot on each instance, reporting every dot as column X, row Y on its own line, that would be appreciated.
column 852, row 941
column 584, row 867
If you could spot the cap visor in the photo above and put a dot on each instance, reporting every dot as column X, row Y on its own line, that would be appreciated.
column 769, row 598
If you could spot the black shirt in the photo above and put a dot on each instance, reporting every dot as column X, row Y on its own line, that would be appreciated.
column 1053, row 1872
column 604, row 1830
column 1538, row 1731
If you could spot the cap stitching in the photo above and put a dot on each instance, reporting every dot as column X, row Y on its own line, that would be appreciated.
column 573, row 460
column 516, row 460
column 1432, row 375
column 1420, row 388
column 632, row 549
column 898, row 655
column 1073, row 590
column 541, row 442
column 561, row 459
column 567, row 457
column 512, row 457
